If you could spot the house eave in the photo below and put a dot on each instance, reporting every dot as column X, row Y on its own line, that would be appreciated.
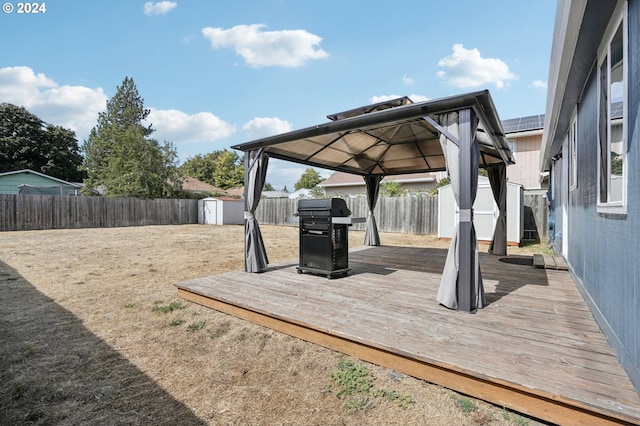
column 579, row 28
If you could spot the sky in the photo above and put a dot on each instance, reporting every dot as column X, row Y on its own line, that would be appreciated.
column 219, row 73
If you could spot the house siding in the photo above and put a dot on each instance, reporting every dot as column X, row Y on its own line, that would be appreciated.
column 9, row 183
column 603, row 249
column 527, row 156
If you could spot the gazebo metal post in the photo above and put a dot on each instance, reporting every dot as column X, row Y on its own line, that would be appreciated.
column 467, row 277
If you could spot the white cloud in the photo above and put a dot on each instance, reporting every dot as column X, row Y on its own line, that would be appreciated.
column 159, row 8
column 261, row 127
column 383, row 98
column 407, row 80
column 286, row 48
column 72, row 107
column 178, row 127
column 538, row 84
column 467, row 68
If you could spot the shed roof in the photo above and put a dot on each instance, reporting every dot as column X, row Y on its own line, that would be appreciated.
column 388, row 138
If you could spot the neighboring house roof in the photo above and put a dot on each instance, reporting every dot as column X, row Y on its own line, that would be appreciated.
column 192, row 184
column 347, row 179
column 523, row 124
column 60, row 181
column 236, row 192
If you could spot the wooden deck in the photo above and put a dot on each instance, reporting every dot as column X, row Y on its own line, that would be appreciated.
column 535, row 348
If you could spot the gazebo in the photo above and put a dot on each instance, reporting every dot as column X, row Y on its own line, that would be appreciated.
column 459, row 134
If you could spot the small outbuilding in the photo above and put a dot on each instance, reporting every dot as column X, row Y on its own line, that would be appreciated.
column 221, row 211
column 28, row 181
column 485, row 212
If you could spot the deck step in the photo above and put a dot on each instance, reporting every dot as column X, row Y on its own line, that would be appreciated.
column 550, row 262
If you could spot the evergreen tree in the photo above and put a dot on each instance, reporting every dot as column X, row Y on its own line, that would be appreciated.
column 268, row 187
column 120, row 156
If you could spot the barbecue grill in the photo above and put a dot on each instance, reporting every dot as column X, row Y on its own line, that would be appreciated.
column 324, row 244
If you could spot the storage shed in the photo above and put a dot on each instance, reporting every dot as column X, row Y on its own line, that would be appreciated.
column 28, row 181
column 485, row 212
column 221, row 211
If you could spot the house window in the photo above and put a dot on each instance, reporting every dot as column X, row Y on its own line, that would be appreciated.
column 573, row 152
column 611, row 120
column 512, row 145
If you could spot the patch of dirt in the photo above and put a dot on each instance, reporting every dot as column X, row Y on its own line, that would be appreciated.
column 92, row 332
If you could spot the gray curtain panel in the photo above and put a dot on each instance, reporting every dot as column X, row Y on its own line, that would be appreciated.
column 450, row 284
column 255, row 171
column 371, row 236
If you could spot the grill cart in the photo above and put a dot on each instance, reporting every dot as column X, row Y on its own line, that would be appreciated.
column 324, row 243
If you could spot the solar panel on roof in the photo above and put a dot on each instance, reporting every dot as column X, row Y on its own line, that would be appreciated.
column 523, row 124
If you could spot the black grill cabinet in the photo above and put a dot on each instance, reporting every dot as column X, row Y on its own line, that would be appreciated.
column 324, row 244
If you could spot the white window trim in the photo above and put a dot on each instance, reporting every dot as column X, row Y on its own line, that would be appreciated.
column 619, row 16
column 573, row 151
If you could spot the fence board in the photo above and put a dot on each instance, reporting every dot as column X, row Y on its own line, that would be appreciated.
column 411, row 215
column 415, row 215
column 31, row 212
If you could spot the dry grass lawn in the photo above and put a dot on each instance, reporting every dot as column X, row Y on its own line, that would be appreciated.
column 92, row 332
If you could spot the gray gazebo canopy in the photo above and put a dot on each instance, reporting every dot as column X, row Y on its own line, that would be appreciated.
column 458, row 134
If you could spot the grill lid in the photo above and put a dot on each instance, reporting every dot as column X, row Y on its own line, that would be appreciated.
column 327, row 206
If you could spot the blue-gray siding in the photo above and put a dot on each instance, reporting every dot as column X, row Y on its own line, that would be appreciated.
column 9, row 183
column 604, row 250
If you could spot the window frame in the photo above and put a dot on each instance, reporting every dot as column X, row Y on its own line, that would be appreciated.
column 572, row 145
column 619, row 20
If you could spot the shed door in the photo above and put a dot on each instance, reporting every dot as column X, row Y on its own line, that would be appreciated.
column 484, row 214
column 210, row 212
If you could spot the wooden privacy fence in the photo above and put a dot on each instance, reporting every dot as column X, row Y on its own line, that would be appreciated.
column 411, row 215
column 30, row 212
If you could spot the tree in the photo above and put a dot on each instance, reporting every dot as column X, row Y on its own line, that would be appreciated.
column 308, row 180
column 317, row 192
column 120, row 156
column 27, row 142
column 392, row 188
column 229, row 170
column 201, row 167
column 268, row 187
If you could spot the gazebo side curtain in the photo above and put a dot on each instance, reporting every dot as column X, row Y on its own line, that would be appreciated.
column 371, row 236
column 461, row 284
column 255, row 171
column 498, row 180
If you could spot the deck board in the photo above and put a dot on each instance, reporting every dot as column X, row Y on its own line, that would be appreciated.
column 534, row 345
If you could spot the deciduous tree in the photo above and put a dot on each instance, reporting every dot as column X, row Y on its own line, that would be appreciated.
column 27, row 142
column 309, row 179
